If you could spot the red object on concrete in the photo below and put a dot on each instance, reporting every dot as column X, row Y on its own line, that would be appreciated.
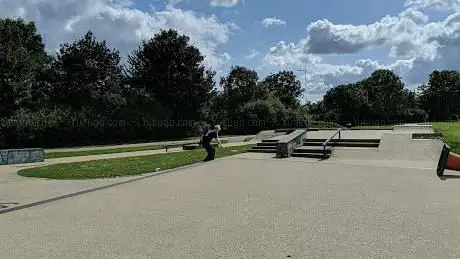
column 453, row 162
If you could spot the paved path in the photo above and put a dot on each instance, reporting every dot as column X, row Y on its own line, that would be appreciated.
column 249, row 208
column 23, row 190
column 177, row 142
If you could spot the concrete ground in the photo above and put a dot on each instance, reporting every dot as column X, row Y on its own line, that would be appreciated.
column 385, row 202
column 16, row 190
column 241, row 207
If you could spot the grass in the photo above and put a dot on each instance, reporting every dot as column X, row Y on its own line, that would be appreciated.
column 129, row 166
column 451, row 134
column 92, row 152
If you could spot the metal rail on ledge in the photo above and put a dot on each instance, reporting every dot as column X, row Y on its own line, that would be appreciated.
column 338, row 131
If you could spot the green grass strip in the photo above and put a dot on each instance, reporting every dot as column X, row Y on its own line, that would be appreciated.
column 128, row 166
column 451, row 134
column 92, row 152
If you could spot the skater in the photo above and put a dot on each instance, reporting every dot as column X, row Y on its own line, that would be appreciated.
column 206, row 142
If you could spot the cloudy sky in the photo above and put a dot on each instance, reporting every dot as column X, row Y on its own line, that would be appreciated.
column 335, row 41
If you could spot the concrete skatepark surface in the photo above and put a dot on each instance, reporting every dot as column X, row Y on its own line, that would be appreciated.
column 24, row 190
column 251, row 205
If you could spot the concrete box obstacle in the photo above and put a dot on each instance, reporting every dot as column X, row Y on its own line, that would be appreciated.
column 21, row 156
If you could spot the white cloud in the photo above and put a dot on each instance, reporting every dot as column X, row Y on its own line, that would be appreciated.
column 439, row 5
column 290, row 55
column 119, row 23
column 416, row 46
column 269, row 22
column 224, row 3
column 252, row 54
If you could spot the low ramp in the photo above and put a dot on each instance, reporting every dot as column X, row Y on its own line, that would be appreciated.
column 348, row 134
column 268, row 134
column 396, row 146
column 416, row 128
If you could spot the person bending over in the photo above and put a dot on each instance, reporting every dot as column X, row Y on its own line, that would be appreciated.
column 206, row 142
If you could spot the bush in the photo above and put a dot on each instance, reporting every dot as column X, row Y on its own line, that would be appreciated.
column 199, row 128
column 414, row 115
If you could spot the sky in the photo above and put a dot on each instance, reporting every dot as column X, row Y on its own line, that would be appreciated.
column 334, row 41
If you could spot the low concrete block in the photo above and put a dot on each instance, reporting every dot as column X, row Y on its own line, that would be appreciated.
column 21, row 156
column 190, row 146
column 426, row 135
column 3, row 157
column 287, row 144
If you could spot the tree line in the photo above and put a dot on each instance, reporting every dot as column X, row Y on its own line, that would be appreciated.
column 85, row 94
column 383, row 99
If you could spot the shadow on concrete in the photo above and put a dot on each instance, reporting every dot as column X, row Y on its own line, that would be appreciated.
column 4, row 205
column 449, row 176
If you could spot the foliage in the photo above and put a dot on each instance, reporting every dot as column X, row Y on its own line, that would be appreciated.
column 439, row 97
column 83, row 95
column 22, row 60
column 87, row 74
column 285, row 87
column 170, row 70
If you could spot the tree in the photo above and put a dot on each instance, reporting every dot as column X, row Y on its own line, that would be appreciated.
column 385, row 94
column 22, row 59
column 439, row 97
column 88, row 75
column 241, row 86
column 285, row 86
column 349, row 101
column 170, row 71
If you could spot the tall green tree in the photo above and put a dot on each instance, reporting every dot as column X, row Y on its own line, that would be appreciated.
column 440, row 96
column 385, row 92
column 241, row 86
column 285, row 86
column 350, row 102
column 170, row 70
column 88, row 75
column 22, row 60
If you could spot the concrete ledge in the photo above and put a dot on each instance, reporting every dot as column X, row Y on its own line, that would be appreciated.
column 413, row 128
column 426, row 135
column 288, row 143
column 190, row 146
column 21, row 156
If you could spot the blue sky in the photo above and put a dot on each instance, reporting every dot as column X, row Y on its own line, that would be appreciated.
column 336, row 41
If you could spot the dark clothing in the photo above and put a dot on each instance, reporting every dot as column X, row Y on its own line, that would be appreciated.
column 206, row 142
column 208, row 137
column 211, row 152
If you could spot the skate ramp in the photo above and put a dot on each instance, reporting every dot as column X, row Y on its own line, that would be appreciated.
column 396, row 147
column 268, row 134
column 415, row 128
column 347, row 134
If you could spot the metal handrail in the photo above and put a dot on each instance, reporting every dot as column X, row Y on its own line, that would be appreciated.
column 338, row 131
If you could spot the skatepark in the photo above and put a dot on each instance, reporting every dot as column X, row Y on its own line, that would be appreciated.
column 335, row 193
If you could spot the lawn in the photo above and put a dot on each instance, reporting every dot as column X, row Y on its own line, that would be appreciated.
column 451, row 134
column 50, row 155
column 116, row 167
